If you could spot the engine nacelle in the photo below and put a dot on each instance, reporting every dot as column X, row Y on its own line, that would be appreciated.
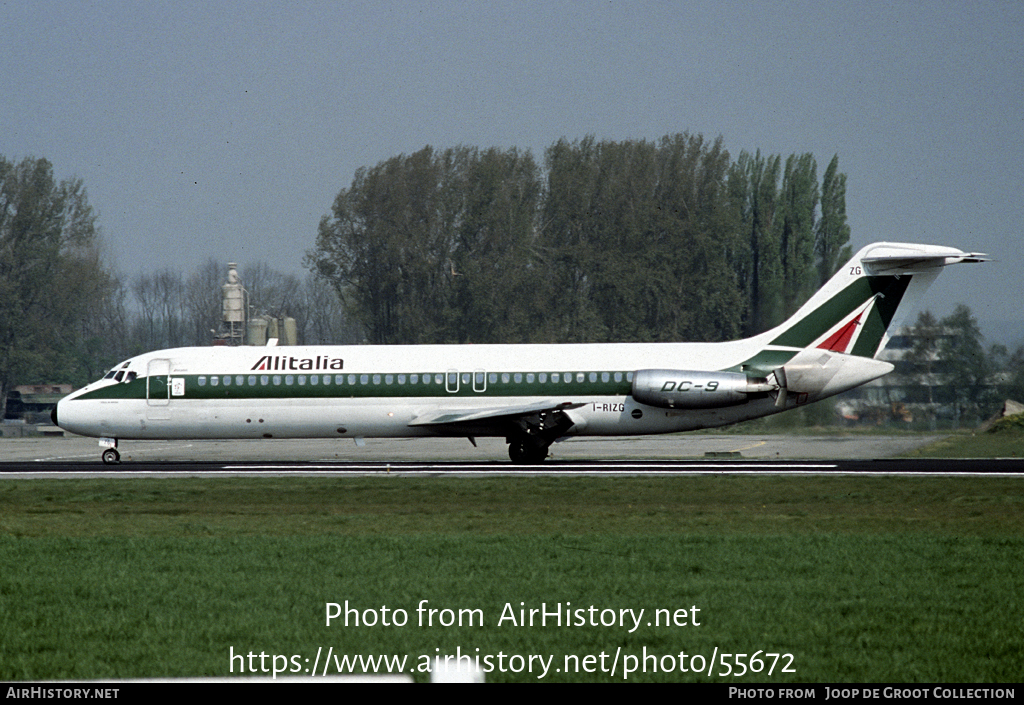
column 688, row 389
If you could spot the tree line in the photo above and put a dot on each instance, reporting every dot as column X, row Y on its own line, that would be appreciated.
column 608, row 241
column 950, row 374
column 50, row 271
column 66, row 316
column 170, row 308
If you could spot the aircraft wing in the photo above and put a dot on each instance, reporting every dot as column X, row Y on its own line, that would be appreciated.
column 440, row 418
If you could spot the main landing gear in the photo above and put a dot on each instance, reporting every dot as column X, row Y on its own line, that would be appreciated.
column 535, row 434
column 527, row 450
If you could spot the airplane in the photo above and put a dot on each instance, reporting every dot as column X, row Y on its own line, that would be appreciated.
column 530, row 394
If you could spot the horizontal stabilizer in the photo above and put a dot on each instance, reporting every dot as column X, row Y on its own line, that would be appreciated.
column 903, row 258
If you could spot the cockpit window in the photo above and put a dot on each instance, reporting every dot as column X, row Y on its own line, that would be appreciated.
column 117, row 372
column 131, row 376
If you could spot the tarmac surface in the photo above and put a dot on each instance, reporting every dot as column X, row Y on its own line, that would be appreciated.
column 77, row 449
column 681, row 454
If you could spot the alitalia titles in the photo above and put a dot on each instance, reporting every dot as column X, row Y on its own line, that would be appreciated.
column 285, row 362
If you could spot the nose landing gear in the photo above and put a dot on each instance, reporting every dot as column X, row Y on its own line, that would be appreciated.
column 110, row 455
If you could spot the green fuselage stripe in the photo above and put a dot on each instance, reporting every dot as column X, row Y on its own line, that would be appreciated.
column 276, row 385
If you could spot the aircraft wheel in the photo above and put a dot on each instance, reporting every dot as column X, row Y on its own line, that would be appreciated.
column 111, row 456
column 516, row 452
column 527, row 452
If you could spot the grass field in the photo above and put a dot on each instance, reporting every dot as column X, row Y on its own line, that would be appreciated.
column 858, row 578
column 974, row 445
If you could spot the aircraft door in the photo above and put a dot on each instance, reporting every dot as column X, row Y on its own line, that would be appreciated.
column 451, row 381
column 158, row 387
column 479, row 381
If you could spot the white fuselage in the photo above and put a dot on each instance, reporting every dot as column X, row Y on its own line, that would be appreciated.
column 381, row 391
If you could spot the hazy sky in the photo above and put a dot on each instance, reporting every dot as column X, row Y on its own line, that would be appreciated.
column 225, row 129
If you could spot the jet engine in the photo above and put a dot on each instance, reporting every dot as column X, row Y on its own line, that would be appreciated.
column 689, row 389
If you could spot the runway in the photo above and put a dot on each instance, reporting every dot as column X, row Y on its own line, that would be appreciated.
column 684, row 454
column 639, row 448
column 887, row 467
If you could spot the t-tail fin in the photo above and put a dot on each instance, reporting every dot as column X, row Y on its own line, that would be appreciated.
column 859, row 307
column 830, row 344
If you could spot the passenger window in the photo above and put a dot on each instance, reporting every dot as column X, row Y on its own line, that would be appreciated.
column 214, row 381
column 252, row 380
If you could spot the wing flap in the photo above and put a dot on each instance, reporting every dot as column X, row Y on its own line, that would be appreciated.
column 437, row 417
